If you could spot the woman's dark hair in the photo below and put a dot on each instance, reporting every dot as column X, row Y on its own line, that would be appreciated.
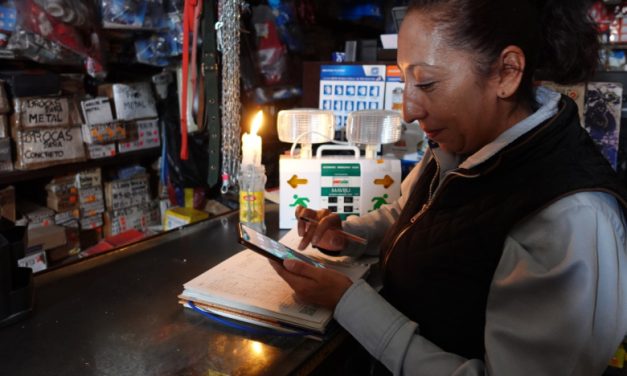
column 558, row 37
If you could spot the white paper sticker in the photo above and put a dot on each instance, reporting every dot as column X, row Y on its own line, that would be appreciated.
column 43, row 112
column 134, row 101
column 46, row 146
column 97, row 110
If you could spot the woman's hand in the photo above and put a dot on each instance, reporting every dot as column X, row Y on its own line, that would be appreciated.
column 319, row 286
column 320, row 235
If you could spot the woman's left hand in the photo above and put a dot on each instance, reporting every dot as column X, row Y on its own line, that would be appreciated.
column 323, row 287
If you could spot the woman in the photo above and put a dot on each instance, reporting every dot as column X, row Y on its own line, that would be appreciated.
column 506, row 253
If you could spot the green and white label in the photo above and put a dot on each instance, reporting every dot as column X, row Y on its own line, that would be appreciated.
column 340, row 187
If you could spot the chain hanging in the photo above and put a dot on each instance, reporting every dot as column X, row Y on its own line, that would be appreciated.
column 228, row 37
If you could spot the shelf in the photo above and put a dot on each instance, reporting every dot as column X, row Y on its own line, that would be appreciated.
column 62, row 169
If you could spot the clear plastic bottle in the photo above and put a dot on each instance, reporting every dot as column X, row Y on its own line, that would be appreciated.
column 252, row 182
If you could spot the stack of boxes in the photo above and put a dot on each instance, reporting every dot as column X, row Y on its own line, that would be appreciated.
column 135, row 109
column 91, row 206
column 129, row 205
column 44, row 132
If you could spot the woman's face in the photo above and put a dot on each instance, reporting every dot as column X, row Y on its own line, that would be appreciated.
column 456, row 107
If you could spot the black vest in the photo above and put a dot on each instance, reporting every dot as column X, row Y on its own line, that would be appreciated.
column 438, row 269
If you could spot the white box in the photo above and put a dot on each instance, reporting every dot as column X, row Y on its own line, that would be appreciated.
column 131, row 101
column 345, row 185
column 96, row 151
column 97, row 110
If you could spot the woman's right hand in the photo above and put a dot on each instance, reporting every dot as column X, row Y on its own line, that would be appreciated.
column 320, row 235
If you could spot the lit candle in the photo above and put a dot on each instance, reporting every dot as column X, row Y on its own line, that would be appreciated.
column 251, row 143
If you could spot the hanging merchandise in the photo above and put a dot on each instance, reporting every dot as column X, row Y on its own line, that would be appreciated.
column 271, row 51
column 33, row 18
column 191, row 16
column 159, row 48
column 228, row 28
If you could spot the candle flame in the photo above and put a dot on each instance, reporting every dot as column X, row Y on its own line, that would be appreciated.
column 257, row 120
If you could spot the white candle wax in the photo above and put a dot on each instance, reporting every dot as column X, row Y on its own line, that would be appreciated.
column 251, row 149
column 251, row 143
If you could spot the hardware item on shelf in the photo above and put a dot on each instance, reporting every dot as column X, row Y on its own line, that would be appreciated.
column 62, row 194
column 123, row 14
column 37, row 48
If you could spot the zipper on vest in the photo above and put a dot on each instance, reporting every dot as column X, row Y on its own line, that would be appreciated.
column 432, row 196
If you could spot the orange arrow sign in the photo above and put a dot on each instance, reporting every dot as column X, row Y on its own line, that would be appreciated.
column 295, row 181
column 386, row 182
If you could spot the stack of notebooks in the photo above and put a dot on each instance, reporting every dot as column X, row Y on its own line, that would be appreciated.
column 246, row 288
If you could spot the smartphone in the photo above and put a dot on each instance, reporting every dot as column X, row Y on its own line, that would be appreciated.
column 271, row 248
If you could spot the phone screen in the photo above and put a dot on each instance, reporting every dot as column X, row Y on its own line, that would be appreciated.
column 261, row 243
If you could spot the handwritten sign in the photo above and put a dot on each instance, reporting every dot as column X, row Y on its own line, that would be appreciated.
column 38, row 148
column 134, row 101
column 34, row 112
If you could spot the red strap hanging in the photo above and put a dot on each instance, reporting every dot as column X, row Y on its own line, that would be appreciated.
column 190, row 13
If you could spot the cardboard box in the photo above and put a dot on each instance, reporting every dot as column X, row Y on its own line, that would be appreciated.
column 103, row 133
column 147, row 137
column 124, row 193
column 36, row 215
column 90, row 195
column 92, row 222
column 62, row 203
column 5, row 150
column 47, row 236
column 131, row 101
column 96, row 151
column 5, row 107
column 92, row 209
column 135, row 217
column 97, row 111
column 38, row 148
column 89, row 178
column 36, row 112
column 4, row 127
column 7, row 203
column 35, row 259
column 177, row 217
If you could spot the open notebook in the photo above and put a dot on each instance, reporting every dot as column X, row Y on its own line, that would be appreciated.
column 245, row 287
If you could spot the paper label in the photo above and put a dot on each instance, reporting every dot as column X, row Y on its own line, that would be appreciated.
column 36, row 261
column 89, row 178
column 251, row 208
column 97, row 111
